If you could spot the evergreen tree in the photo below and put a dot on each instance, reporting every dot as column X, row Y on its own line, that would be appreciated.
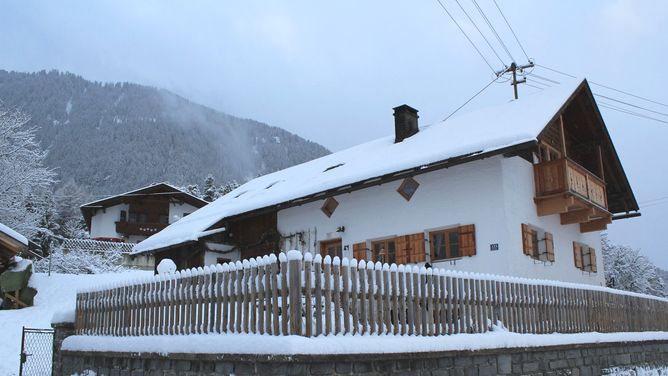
column 210, row 190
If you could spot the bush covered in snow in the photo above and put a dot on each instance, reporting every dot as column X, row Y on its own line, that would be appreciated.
column 626, row 269
column 81, row 261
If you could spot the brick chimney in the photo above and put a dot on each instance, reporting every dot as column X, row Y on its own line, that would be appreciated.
column 405, row 122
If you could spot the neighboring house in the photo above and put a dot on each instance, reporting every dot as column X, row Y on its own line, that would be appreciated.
column 134, row 216
column 519, row 189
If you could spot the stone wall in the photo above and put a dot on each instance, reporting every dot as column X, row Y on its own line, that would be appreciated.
column 587, row 359
column 60, row 332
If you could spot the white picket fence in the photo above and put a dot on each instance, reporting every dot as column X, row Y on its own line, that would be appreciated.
column 311, row 296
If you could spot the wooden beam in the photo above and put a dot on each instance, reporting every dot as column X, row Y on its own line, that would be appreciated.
column 600, row 163
column 595, row 225
column 563, row 135
column 577, row 216
column 554, row 205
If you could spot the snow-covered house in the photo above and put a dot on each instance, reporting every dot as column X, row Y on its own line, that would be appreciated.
column 520, row 189
column 133, row 216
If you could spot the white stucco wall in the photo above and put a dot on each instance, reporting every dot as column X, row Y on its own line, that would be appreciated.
column 176, row 210
column 495, row 194
column 103, row 223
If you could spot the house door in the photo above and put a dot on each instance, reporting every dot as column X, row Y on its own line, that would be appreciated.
column 332, row 248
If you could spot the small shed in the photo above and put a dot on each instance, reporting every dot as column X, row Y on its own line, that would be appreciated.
column 11, row 244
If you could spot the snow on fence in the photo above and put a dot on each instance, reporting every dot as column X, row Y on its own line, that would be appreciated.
column 302, row 295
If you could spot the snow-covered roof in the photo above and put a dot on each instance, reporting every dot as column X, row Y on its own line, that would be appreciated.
column 478, row 132
column 144, row 190
column 13, row 234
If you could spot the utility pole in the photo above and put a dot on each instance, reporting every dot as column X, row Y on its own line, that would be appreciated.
column 513, row 68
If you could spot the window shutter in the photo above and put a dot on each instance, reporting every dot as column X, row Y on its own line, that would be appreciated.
column 359, row 251
column 527, row 242
column 577, row 255
column 549, row 246
column 417, row 253
column 592, row 255
column 402, row 249
column 467, row 240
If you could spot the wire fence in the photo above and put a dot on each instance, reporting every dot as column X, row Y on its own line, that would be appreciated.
column 301, row 295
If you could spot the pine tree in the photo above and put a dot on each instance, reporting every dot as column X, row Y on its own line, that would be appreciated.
column 210, row 191
column 228, row 187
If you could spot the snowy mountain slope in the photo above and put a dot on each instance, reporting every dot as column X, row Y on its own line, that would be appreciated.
column 117, row 137
column 54, row 294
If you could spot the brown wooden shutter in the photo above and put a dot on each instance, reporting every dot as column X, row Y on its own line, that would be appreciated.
column 577, row 255
column 592, row 256
column 527, row 241
column 359, row 251
column 417, row 253
column 402, row 249
column 549, row 246
column 467, row 240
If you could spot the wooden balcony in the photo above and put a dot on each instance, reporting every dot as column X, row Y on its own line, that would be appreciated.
column 142, row 229
column 566, row 188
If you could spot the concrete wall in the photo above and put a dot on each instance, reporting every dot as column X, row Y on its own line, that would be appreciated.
column 581, row 360
column 495, row 194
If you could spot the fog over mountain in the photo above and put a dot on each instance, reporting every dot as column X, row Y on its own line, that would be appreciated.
column 114, row 137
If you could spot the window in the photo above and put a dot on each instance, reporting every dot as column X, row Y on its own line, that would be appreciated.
column 537, row 244
column 332, row 248
column 163, row 219
column 124, row 216
column 452, row 242
column 407, row 188
column 133, row 217
column 329, row 206
column 384, row 251
column 584, row 257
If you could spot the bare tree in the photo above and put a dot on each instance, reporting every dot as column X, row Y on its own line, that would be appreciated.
column 23, row 172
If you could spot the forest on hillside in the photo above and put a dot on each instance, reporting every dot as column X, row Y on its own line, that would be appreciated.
column 114, row 137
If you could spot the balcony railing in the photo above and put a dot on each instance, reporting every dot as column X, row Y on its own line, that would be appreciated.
column 564, row 176
column 143, row 229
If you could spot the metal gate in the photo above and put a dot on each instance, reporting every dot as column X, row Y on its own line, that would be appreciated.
column 36, row 352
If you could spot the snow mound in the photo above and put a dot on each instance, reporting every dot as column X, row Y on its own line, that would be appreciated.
column 166, row 266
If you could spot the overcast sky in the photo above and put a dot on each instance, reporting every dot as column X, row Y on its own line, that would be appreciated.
column 332, row 71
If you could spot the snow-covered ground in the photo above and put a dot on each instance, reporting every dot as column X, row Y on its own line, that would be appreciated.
column 54, row 294
column 341, row 344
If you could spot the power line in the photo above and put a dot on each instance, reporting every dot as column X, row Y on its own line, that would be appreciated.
column 630, row 104
column 470, row 99
column 534, row 86
column 479, row 31
column 466, row 35
column 511, row 30
column 629, row 112
column 654, row 199
column 606, row 86
column 534, row 75
column 493, row 30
